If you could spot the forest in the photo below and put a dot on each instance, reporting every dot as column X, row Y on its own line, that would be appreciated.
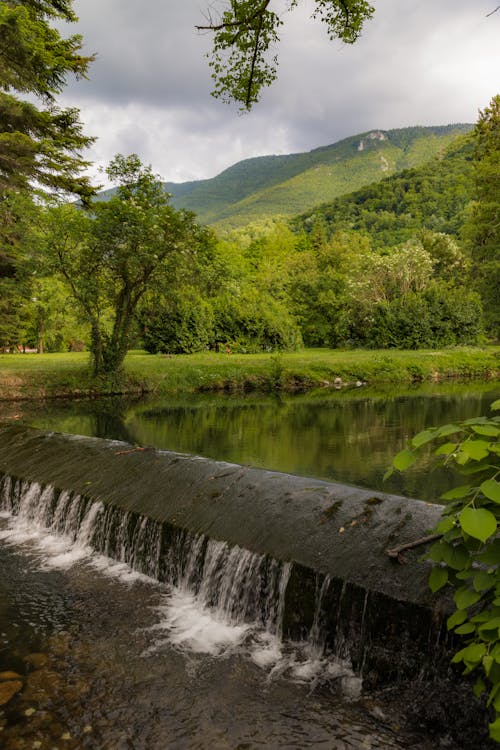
column 407, row 260
column 392, row 265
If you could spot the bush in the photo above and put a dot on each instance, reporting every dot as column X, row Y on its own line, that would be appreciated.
column 439, row 316
column 251, row 323
column 181, row 324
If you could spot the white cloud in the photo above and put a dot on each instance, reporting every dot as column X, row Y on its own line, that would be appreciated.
column 149, row 89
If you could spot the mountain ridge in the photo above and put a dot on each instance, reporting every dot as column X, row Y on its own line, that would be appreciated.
column 285, row 185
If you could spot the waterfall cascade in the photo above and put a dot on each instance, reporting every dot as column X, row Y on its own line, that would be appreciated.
column 241, row 587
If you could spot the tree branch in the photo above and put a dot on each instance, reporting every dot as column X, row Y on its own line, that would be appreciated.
column 252, row 68
column 493, row 11
column 395, row 552
column 242, row 22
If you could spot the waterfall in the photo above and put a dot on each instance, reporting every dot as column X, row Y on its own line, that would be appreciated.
column 239, row 588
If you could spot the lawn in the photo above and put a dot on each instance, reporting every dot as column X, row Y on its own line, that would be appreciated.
column 59, row 375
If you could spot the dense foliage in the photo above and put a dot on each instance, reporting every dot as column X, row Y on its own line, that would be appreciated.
column 467, row 553
column 291, row 184
column 435, row 196
column 483, row 229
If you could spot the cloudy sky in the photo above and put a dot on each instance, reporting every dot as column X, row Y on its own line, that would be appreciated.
column 427, row 62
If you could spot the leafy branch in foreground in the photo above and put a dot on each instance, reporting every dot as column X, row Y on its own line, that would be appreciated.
column 467, row 553
column 245, row 32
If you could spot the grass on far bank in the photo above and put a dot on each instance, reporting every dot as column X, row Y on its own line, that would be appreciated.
column 68, row 375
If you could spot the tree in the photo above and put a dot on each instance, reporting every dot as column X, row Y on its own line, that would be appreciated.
column 483, row 228
column 246, row 31
column 39, row 142
column 18, row 215
column 113, row 255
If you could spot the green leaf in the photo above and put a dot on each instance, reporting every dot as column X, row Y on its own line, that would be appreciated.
column 482, row 581
column 388, row 473
column 457, row 492
column 404, row 459
column 478, row 523
column 491, row 489
column 465, row 629
column 438, row 578
column 476, row 468
column 457, row 618
column 465, row 597
column 446, row 524
column 479, row 687
column 494, row 730
column 487, row 663
column 447, row 429
column 456, row 557
column 472, row 654
column 491, row 555
column 486, row 429
column 492, row 624
column 475, row 449
column 495, row 405
column 423, row 437
column 446, row 449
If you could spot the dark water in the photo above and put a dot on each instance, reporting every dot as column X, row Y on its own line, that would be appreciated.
column 348, row 436
column 102, row 681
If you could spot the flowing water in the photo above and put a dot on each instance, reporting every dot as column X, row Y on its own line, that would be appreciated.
column 122, row 641
column 155, row 648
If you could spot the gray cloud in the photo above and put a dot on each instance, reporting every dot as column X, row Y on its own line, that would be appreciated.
column 149, row 89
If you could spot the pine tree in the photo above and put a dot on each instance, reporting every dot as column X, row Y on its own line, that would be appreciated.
column 40, row 143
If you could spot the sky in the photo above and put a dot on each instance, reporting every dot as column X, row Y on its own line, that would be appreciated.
column 418, row 62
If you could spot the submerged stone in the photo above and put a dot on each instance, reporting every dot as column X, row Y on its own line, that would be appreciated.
column 8, row 690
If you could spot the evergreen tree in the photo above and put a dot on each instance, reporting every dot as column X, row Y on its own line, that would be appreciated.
column 39, row 142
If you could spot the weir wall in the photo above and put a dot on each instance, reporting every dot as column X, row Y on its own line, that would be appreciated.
column 379, row 612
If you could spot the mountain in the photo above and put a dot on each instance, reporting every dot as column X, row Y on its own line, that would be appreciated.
column 434, row 196
column 287, row 185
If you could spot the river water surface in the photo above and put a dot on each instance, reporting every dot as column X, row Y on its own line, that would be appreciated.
column 109, row 659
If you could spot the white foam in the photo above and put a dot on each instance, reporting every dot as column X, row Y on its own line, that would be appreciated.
column 59, row 551
column 187, row 624
column 212, row 621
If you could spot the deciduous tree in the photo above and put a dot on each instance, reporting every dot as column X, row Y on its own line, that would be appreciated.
column 483, row 228
column 246, row 31
column 111, row 256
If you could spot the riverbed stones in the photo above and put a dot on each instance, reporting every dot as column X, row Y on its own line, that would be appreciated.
column 8, row 690
column 36, row 661
column 9, row 675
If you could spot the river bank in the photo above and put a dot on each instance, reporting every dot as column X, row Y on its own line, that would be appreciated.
column 68, row 375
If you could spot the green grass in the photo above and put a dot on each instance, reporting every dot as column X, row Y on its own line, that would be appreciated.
column 68, row 375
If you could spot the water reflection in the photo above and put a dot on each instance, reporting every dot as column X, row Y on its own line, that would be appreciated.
column 349, row 436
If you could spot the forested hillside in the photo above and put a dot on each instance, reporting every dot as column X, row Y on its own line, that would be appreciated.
column 388, row 265
column 434, row 196
column 286, row 185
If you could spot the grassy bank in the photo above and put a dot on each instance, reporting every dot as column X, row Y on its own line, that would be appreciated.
column 68, row 375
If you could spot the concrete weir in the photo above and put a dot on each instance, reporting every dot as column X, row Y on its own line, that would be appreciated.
column 375, row 611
